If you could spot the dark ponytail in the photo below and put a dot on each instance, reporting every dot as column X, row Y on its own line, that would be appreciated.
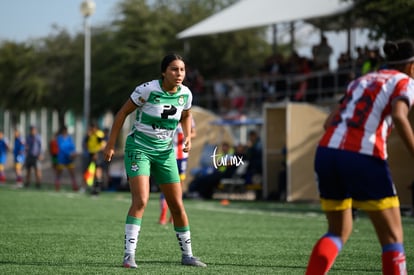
column 399, row 52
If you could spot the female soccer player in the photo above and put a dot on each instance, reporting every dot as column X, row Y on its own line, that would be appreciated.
column 161, row 105
column 351, row 165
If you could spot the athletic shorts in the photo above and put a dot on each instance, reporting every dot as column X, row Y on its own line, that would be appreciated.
column 182, row 167
column 65, row 160
column 54, row 159
column 19, row 159
column 3, row 158
column 161, row 165
column 62, row 166
column 32, row 161
column 349, row 179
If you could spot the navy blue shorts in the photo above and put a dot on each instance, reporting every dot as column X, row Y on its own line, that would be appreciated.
column 344, row 175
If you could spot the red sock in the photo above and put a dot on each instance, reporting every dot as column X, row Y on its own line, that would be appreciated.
column 323, row 255
column 393, row 262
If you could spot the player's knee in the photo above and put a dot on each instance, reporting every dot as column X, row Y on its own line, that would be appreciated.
column 139, row 203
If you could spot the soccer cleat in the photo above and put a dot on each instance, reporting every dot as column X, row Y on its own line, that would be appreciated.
column 129, row 261
column 192, row 261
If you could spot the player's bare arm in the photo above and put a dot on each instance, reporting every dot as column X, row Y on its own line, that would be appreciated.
column 186, row 120
column 402, row 124
column 119, row 120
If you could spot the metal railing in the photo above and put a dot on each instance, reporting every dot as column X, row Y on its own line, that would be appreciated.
column 249, row 93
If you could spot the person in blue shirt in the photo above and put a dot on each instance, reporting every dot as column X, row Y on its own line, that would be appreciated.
column 19, row 157
column 65, row 158
column 4, row 149
column 33, row 156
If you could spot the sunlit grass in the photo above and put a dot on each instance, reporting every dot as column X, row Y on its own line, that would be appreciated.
column 43, row 232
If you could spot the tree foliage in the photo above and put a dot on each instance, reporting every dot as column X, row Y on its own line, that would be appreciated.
column 60, row 66
column 48, row 72
column 21, row 85
column 388, row 19
column 127, row 51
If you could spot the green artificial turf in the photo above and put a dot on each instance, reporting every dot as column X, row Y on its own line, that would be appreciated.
column 44, row 232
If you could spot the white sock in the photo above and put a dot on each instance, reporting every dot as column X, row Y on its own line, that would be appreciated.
column 184, row 240
column 131, row 237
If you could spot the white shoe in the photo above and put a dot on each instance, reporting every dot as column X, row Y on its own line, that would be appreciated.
column 193, row 261
column 129, row 261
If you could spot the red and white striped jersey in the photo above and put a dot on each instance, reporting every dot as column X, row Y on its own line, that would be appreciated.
column 364, row 121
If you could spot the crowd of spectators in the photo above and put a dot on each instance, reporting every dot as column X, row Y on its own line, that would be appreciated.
column 293, row 77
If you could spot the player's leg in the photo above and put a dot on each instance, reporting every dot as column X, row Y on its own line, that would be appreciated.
column 337, row 205
column 3, row 160
column 54, row 162
column 71, row 170
column 173, row 195
column 137, row 166
column 169, row 182
column 2, row 173
column 163, row 210
column 86, row 160
column 383, row 207
column 28, row 166
column 330, row 244
column 139, row 186
column 38, row 172
column 182, row 168
column 98, row 183
column 18, row 171
column 58, row 174
column 389, row 230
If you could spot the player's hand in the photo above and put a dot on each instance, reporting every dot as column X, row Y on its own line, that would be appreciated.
column 108, row 154
column 187, row 145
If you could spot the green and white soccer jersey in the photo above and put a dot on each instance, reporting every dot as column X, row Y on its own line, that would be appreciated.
column 158, row 115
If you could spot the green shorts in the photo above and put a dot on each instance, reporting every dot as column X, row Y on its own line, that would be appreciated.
column 161, row 165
